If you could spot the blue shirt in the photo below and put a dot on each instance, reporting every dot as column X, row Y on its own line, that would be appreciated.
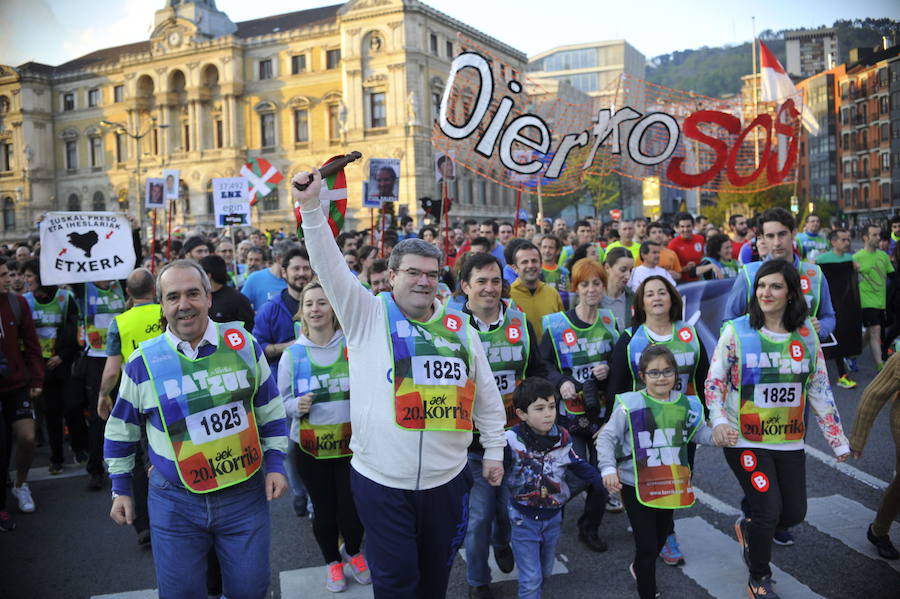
column 737, row 302
column 261, row 286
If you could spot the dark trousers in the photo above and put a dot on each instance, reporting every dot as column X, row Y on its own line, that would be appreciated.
column 54, row 401
column 412, row 536
column 650, row 527
column 776, row 493
column 595, row 499
column 328, row 484
column 4, row 461
column 83, row 393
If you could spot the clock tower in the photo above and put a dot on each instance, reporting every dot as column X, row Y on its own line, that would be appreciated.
column 181, row 21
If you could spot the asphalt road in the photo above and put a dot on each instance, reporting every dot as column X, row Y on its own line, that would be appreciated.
column 70, row 549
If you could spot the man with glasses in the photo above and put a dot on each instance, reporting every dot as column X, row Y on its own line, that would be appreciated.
column 419, row 384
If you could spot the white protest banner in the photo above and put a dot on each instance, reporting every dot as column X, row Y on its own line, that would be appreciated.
column 231, row 202
column 154, row 197
column 77, row 247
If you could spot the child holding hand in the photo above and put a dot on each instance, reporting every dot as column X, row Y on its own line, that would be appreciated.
column 642, row 452
column 538, row 453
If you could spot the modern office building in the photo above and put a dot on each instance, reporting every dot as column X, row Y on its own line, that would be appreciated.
column 809, row 51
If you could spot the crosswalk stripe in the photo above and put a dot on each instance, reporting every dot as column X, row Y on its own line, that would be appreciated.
column 309, row 583
column 847, row 521
column 715, row 503
column 498, row 576
column 714, row 562
column 851, row 471
column 145, row 594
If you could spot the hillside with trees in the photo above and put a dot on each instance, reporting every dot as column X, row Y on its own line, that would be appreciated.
column 717, row 71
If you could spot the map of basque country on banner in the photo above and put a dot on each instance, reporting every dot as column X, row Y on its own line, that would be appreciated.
column 77, row 247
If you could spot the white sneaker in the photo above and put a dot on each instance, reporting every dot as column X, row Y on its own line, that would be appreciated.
column 614, row 504
column 23, row 496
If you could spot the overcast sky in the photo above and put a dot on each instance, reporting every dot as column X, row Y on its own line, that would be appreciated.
column 54, row 31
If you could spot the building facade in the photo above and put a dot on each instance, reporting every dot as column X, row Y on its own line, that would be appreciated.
column 204, row 95
column 818, row 165
column 868, row 129
column 810, row 51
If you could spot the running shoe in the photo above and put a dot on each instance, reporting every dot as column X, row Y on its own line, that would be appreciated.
column 743, row 539
column 504, row 558
column 851, row 364
column 885, row 548
column 783, row 537
column 879, row 367
column 845, row 383
column 81, row 458
column 334, row 577
column 55, row 468
column 763, row 588
column 614, row 504
column 7, row 524
column 358, row 566
column 671, row 553
column 23, row 496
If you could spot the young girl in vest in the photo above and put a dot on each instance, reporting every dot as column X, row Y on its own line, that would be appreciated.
column 766, row 366
column 642, row 453
column 313, row 379
column 658, row 309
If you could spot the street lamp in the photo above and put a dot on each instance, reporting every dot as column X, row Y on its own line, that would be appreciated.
column 137, row 136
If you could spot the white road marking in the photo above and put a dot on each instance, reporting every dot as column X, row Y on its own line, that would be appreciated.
column 847, row 521
column 498, row 576
column 713, row 560
column 145, row 594
column 715, row 504
column 843, row 467
column 309, row 583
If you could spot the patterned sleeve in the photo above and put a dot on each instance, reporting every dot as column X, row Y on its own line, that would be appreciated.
column 822, row 402
column 723, row 377
column 270, row 416
column 123, row 429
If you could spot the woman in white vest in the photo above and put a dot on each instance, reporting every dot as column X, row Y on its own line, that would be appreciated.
column 766, row 366
column 314, row 383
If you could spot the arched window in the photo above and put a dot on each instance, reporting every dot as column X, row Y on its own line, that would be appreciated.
column 74, row 204
column 99, row 204
column 9, row 214
column 210, row 206
column 185, row 196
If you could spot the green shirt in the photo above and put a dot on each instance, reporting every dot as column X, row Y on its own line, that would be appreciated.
column 830, row 257
column 873, row 270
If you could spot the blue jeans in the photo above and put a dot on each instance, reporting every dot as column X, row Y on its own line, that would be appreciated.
column 488, row 523
column 185, row 525
column 534, row 547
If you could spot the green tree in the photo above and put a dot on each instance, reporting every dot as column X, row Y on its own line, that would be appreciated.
column 606, row 191
column 730, row 200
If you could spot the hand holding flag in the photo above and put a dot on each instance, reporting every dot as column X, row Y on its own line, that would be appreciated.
column 777, row 87
column 332, row 197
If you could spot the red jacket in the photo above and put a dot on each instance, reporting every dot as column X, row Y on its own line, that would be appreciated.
column 26, row 368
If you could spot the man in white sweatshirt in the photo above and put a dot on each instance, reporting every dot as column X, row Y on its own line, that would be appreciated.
column 419, row 383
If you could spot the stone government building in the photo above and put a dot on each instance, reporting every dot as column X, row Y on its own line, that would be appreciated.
column 210, row 94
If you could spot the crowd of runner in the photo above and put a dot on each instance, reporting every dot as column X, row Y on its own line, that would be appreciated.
column 418, row 391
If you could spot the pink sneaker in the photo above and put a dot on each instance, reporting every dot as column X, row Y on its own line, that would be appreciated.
column 334, row 577
column 358, row 566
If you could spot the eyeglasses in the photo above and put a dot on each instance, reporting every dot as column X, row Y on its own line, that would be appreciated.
column 416, row 274
column 655, row 374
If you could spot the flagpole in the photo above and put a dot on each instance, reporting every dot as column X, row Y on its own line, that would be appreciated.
column 445, row 210
column 756, row 83
column 518, row 205
column 153, row 245
column 169, row 232
column 372, row 226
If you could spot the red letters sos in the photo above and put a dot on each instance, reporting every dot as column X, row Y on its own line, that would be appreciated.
column 726, row 157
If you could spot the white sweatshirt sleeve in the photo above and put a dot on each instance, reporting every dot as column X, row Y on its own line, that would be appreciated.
column 353, row 304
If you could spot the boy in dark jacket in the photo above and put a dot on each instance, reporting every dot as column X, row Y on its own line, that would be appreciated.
column 538, row 453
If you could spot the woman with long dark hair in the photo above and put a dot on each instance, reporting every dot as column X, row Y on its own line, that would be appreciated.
column 765, row 368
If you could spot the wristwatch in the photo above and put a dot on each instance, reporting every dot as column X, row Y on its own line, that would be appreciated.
column 114, row 495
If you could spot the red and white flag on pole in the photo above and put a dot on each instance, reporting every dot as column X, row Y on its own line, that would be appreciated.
column 778, row 87
column 262, row 178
